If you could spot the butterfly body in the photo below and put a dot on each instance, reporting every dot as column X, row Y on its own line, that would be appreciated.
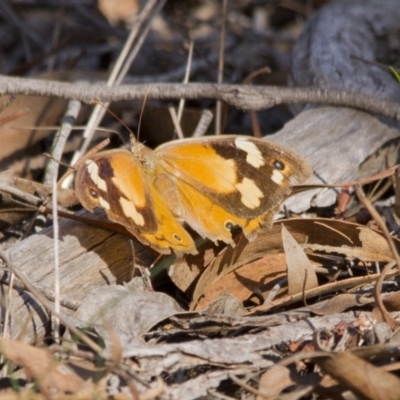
column 212, row 184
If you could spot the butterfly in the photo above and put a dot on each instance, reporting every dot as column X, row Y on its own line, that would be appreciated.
column 211, row 184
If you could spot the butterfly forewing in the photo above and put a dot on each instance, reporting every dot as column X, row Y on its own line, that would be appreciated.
column 116, row 182
column 113, row 180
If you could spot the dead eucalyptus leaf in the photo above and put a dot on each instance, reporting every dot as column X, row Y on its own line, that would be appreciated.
column 361, row 377
column 301, row 275
column 392, row 301
column 226, row 305
column 118, row 10
column 374, row 247
column 23, row 132
column 128, row 311
column 40, row 365
column 230, row 259
column 255, row 277
column 186, row 268
column 39, row 113
column 340, row 303
column 273, row 381
column 373, row 242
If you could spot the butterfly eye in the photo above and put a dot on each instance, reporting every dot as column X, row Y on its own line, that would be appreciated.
column 278, row 165
column 93, row 193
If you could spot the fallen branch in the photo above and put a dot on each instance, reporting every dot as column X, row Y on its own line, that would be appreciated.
column 245, row 97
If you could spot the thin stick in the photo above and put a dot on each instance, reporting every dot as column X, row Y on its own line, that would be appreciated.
column 7, row 320
column 151, row 9
column 133, row 139
column 60, row 140
column 378, row 296
column 378, row 286
column 318, row 291
column 186, row 80
column 57, row 306
column 175, row 121
column 203, row 124
column 367, row 204
column 28, row 198
column 218, row 111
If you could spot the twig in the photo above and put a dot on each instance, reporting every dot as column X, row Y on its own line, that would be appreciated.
column 245, row 97
column 218, row 110
column 203, row 124
column 56, row 230
column 254, row 120
column 51, row 174
column 7, row 320
column 367, row 204
column 28, row 198
column 186, row 80
column 378, row 296
column 378, row 286
column 318, row 291
column 60, row 139
column 176, row 123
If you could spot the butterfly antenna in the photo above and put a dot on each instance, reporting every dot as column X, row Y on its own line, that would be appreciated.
column 114, row 115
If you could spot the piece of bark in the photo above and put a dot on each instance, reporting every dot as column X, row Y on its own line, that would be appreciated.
column 350, row 46
column 336, row 141
column 88, row 256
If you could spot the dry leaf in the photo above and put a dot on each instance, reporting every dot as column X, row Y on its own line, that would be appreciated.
column 374, row 247
column 274, row 381
column 118, row 10
column 20, row 133
column 392, row 301
column 39, row 364
column 301, row 275
column 231, row 259
column 186, row 268
column 361, row 377
column 129, row 312
column 258, row 276
column 317, row 234
column 226, row 305
column 340, row 303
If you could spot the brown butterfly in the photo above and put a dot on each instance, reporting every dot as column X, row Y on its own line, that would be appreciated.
column 213, row 184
